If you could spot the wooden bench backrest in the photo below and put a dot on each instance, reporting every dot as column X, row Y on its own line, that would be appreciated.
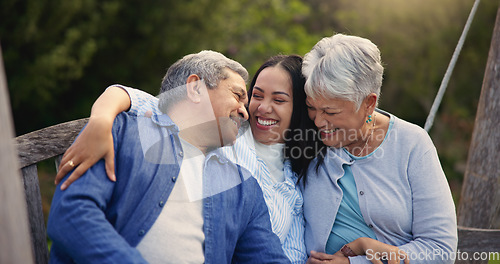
column 32, row 148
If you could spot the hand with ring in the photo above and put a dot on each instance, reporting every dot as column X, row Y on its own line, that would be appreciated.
column 95, row 141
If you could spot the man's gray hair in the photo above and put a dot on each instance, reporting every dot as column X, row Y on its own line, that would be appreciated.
column 343, row 67
column 209, row 65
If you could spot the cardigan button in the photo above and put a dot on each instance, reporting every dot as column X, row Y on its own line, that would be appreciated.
column 370, row 226
column 141, row 232
column 361, row 192
column 161, row 203
column 174, row 179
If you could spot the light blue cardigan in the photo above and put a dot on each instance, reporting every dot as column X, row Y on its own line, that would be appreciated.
column 403, row 195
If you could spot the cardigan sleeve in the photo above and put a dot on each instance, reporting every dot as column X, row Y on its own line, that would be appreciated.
column 434, row 223
column 434, row 227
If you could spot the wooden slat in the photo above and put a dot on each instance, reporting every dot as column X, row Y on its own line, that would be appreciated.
column 57, row 161
column 33, row 148
column 35, row 212
column 48, row 142
column 478, row 240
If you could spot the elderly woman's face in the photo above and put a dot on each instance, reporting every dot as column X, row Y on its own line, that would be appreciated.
column 338, row 122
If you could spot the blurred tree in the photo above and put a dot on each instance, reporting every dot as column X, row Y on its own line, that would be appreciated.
column 60, row 55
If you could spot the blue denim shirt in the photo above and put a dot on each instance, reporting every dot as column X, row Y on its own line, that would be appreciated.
column 99, row 221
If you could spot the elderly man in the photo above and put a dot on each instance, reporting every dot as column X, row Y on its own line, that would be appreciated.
column 176, row 198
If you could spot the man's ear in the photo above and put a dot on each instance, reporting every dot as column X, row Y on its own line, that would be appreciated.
column 193, row 88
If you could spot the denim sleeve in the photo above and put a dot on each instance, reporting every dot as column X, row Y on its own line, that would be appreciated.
column 258, row 244
column 78, row 225
column 140, row 101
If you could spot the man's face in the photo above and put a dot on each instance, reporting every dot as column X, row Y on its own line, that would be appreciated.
column 228, row 101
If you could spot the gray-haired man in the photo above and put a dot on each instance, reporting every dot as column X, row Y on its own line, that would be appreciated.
column 176, row 198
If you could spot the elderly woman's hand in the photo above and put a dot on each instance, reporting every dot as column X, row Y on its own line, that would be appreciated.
column 318, row 257
column 377, row 251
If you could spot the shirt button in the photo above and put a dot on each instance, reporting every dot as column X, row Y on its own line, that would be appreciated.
column 161, row 203
column 141, row 232
column 370, row 226
column 174, row 179
column 361, row 192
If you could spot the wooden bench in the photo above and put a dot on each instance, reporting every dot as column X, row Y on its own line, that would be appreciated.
column 53, row 141
column 32, row 148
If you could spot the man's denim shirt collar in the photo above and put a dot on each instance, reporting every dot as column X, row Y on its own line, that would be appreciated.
column 165, row 121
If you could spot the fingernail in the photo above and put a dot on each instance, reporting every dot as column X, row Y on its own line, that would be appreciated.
column 113, row 177
column 63, row 187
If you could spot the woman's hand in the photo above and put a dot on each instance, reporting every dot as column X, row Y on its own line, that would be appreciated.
column 377, row 251
column 94, row 143
column 318, row 257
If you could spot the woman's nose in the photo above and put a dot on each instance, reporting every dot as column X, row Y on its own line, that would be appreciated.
column 264, row 107
column 319, row 121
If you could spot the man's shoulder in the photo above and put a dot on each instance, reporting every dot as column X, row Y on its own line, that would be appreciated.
column 123, row 120
column 125, row 117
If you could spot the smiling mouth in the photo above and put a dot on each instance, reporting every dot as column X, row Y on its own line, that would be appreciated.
column 329, row 131
column 268, row 122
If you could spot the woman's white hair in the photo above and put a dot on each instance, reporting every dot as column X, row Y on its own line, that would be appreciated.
column 343, row 67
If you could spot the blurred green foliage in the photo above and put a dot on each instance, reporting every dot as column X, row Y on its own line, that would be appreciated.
column 60, row 55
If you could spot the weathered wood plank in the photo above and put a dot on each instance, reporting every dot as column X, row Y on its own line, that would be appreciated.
column 15, row 246
column 35, row 211
column 48, row 142
column 477, row 243
column 57, row 161
column 478, row 239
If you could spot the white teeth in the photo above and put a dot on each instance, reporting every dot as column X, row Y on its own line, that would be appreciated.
column 266, row 122
column 328, row 131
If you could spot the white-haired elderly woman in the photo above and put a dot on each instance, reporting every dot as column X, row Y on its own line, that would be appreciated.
column 380, row 178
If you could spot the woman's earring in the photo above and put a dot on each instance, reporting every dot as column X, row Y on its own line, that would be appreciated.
column 369, row 119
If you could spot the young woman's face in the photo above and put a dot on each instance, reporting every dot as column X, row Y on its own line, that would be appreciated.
column 271, row 105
